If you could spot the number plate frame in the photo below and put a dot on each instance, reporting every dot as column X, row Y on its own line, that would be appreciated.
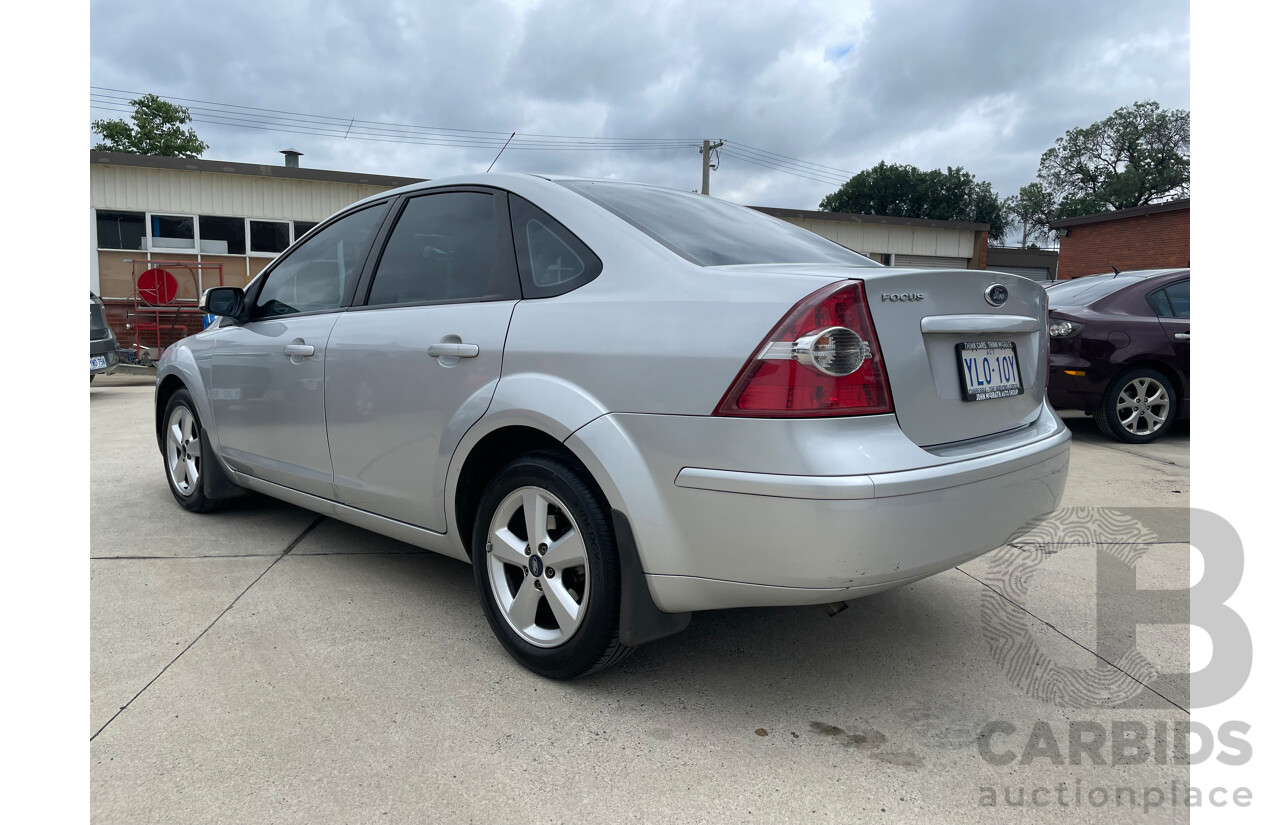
column 1006, row 389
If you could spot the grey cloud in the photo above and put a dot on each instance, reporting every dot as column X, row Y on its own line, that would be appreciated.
column 984, row 85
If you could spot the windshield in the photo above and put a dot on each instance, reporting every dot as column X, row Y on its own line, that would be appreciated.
column 713, row 232
column 1080, row 292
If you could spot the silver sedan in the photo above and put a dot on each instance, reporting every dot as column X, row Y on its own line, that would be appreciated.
column 621, row 404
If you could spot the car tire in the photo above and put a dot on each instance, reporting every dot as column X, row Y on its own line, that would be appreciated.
column 558, row 623
column 181, row 450
column 1138, row 407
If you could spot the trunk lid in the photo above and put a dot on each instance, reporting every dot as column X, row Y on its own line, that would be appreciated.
column 921, row 316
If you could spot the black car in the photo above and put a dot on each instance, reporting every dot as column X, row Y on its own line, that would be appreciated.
column 1120, row 350
column 102, row 341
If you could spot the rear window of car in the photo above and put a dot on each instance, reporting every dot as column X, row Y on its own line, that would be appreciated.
column 1082, row 291
column 712, row 232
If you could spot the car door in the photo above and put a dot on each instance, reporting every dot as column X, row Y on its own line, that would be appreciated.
column 414, row 367
column 1172, row 304
column 266, row 380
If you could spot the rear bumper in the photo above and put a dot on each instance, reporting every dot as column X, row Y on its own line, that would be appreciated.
column 105, row 348
column 715, row 538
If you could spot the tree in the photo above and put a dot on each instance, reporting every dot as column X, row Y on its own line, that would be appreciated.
column 156, row 130
column 1139, row 154
column 1033, row 207
column 904, row 191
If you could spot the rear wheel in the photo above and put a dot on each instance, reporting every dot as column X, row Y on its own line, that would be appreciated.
column 184, row 454
column 546, row 567
column 1138, row 407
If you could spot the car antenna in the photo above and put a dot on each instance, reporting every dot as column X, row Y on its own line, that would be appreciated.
column 1113, row 269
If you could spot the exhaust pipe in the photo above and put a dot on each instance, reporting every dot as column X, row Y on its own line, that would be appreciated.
column 835, row 607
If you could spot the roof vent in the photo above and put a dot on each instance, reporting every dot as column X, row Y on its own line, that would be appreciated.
column 291, row 157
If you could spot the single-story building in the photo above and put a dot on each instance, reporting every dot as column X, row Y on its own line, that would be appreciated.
column 897, row 241
column 1145, row 237
column 1037, row 264
column 238, row 216
column 223, row 222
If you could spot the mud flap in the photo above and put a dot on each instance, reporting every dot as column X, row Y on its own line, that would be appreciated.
column 639, row 619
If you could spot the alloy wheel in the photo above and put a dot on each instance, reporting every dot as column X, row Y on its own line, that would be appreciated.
column 182, row 450
column 537, row 566
column 1142, row 407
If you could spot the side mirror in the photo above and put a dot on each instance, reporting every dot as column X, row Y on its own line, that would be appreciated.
column 227, row 301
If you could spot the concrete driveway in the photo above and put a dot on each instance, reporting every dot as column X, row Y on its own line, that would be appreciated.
column 266, row 665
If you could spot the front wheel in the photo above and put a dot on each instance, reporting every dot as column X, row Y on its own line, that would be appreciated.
column 1138, row 407
column 546, row 567
column 184, row 458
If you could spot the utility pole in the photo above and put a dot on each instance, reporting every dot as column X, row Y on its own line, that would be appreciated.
column 707, row 146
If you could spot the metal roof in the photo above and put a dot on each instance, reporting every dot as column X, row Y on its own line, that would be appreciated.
column 252, row 169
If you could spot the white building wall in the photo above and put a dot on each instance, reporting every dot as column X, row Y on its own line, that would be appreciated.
column 210, row 193
column 889, row 238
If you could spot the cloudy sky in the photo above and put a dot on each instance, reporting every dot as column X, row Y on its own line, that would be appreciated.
column 803, row 93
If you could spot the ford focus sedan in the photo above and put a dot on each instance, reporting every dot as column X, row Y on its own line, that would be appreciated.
column 621, row 404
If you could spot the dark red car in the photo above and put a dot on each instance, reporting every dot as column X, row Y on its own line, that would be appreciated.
column 1120, row 349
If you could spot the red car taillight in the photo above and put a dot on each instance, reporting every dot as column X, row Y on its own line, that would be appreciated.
column 822, row 359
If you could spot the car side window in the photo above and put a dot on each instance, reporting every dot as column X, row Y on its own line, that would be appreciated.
column 321, row 272
column 1159, row 302
column 1180, row 299
column 1174, row 301
column 445, row 248
column 552, row 259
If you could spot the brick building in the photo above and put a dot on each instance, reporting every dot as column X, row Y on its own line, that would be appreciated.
column 1145, row 237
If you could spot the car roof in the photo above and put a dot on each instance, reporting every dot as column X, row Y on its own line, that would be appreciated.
column 1090, row 289
column 1133, row 274
column 500, row 180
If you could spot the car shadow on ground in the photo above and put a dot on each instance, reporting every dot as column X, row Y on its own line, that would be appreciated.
column 926, row 638
column 1084, row 428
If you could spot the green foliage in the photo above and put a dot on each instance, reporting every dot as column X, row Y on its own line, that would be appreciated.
column 1139, row 154
column 156, row 130
column 1032, row 208
column 903, row 191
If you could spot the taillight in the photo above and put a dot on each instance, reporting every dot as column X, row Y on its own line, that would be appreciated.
column 822, row 359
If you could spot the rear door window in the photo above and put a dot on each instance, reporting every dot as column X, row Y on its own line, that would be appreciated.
column 445, row 248
column 1180, row 299
column 1174, row 301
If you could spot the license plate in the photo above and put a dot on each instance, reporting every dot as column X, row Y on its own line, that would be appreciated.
column 97, row 362
column 988, row 369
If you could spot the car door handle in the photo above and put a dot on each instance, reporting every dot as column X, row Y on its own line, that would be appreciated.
column 456, row 350
column 1182, row 336
column 299, row 350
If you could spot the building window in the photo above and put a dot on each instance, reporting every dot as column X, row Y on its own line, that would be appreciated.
column 173, row 232
column 301, row 228
column 221, row 236
column 121, row 230
column 268, row 237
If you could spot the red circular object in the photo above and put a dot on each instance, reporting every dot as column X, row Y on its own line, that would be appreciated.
column 157, row 286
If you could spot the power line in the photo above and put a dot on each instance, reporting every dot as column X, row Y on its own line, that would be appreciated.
column 418, row 140
column 497, row 137
column 106, row 99
column 754, row 150
column 828, row 180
